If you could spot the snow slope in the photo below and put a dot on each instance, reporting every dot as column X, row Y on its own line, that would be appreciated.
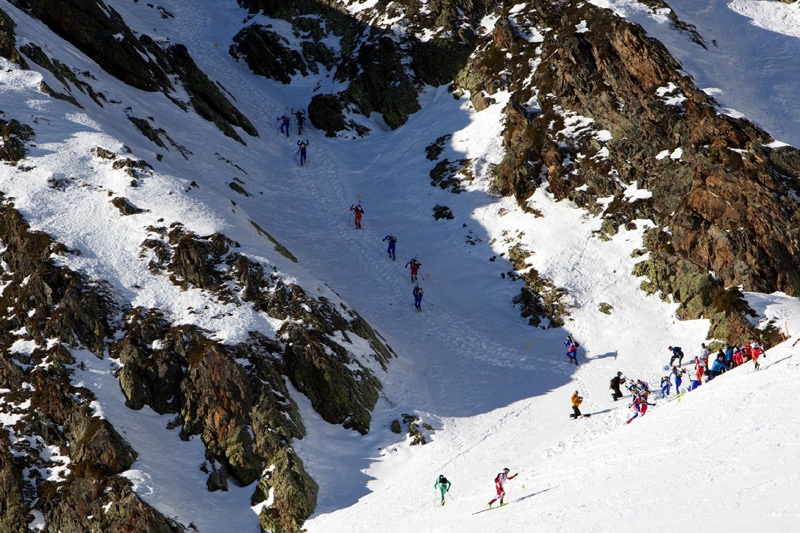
column 495, row 390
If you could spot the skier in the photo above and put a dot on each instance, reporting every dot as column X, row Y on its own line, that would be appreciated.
column 572, row 354
column 665, row 386
column 499, row 480
column 443, row 485
column 677, row 353
column 414, row 264
column 300, row 116
column 301, row 149
column 417, row 292
column 616, row 381
column 756, row 351
column 359, row 211
column 577, row 399
column 285, row 124
column 700, row 367
column 569, row 341
column 704, row 353
column 392, row 243
column 639, row 407
column 678, row 373
column 736, row 358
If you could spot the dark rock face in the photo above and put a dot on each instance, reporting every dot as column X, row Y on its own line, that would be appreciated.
column 8, row 47
column 205, row 96
column 92, row 30
column 724, row 196
column 233, row 396
column 13, row 136
column 50, row 303
column 99, row 32
column 266, row 54
column 13, row 511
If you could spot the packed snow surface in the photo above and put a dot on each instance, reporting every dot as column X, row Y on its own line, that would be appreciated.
column 494, row 389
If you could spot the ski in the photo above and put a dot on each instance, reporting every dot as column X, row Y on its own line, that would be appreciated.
column 490, row 508
column 582, row 416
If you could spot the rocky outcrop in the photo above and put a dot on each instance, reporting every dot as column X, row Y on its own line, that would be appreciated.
column 8, row 40
column 65, row 459
column 99, row 31
column 13, row 511
column 234, row 397
column 13, row 136
column 607, row 107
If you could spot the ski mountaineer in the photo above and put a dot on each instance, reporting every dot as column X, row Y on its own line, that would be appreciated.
column 678, row 374
column 665, row 386
column 756, row 350
column 572, row 354
column 359, row 211
column 572, row 349
column 301, row 149
column 285, row 124
column 677, row 353
column 392, row 243
column 499, row 480
column 443, row 485
column 414, row 264
column 417, row 292
column 616, row 382
column 700, row 366
column 300, row 116
column 704, row 354
column 577, row 399
column 639, row 407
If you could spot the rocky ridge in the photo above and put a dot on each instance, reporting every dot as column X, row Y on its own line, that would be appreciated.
column 63, row 461
column 596, row 107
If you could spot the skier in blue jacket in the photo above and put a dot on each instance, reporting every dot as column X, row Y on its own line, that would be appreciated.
column 417, row 292
column 285, row 124
column 302, row 148
column 392, row 243
column 665, row 386
column 678, row 373
column 677, row 353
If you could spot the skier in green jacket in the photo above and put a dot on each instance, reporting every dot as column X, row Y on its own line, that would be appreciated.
column 443, row 485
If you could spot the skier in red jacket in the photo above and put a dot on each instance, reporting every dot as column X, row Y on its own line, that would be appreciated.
column 414, row 264
column 501, row 478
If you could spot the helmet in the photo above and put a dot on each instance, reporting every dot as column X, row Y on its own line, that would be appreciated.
column 506, row 470
column 619, row 373
column 576, row 392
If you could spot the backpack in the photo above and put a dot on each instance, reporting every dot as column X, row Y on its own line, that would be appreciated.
column 392, row 239
column 611, row 384
column 497, row 478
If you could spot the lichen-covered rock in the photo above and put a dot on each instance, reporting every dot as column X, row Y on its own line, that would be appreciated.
column 13, row 510
column 646, row 124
